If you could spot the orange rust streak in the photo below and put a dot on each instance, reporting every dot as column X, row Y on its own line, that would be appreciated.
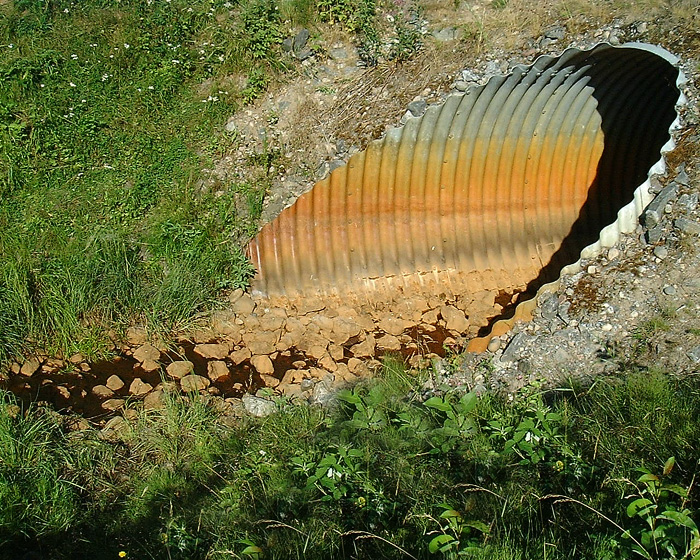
column 365, row 221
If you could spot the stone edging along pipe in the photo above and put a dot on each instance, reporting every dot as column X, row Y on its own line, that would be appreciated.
column 498, row 190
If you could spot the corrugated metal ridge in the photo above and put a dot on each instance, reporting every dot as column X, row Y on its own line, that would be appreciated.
column 494, row 189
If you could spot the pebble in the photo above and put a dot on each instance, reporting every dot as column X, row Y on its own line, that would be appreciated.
column 688, row 226
column 138, row 387
column 417, row 107
column 114, row 382
column 146, row 352
column 694, row 354
column 262, row 364
column 178, row 370
column 515, row 346
column 154, row 400
column 102, row 391
column 258, row 407
column 494, row 344
column 613, row 253
column 323, row 392
column 607, row 327
column 193, row 383
column 661, row 252
column 113, row 404
column 212, row 351
column 217, row 370
column 669, row 290
column 30, row 367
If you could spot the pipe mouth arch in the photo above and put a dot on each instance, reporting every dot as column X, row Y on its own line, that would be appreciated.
column 495, row 191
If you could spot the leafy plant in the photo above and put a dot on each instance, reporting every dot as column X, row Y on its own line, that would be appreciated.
column 662, row 522
column 335, row 474
column 458, row 536
column 457, row 421
column 260, row 33
column 367, row 413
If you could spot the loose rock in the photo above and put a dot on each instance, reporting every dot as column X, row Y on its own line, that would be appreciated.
column 212, row 351
column 30, row 367
column 455, row 320
column 102, row 391
column 154, row 400
column 193, row 383
column 138, row 387
column 178, row 370
column 262, row 364
column 146, row 352
column 217, row 370
column 241, row 355
column 114, row 382
column 257, row 406
column 112, row 404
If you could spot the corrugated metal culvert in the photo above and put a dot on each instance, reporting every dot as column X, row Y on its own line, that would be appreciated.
column 496, row 189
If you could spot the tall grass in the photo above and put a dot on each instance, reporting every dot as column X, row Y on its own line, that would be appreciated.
column 107, row 113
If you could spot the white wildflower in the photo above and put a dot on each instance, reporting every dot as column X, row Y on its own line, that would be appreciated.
column 332, row 473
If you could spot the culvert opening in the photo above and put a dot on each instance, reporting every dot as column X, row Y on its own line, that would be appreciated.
column 426, row 239
column 494, row 191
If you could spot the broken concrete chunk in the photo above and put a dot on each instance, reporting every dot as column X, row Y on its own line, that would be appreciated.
column 655, row 210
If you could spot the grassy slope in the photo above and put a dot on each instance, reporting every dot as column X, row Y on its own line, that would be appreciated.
column 106, row 118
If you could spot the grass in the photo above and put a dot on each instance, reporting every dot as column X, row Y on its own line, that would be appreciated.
column 106, row 118
column 383, row 475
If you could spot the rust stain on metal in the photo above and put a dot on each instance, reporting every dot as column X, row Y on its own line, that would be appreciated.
column 495, row 189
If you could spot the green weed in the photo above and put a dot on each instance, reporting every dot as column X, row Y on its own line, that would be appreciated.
column 385, row 475
column 106, row 113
